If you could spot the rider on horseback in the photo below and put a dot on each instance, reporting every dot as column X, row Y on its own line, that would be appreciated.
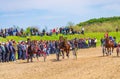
column 106, row 35
column 111, row 38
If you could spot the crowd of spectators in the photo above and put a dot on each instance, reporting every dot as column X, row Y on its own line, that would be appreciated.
column 11, row 32
column 36, row 32
column 12, row 50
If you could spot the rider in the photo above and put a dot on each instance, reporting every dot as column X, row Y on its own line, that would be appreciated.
column 106, row 35
column 111, row 38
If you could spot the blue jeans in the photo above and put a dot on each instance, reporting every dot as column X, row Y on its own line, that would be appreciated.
column 48, row 51
column 12, row 57
column 3, row 57
column 57, row 51
column 19, row 54
column 7, row 57
column 0, row 57
column 24, row 55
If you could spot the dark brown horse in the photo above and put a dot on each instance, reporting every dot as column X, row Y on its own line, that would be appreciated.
column 109, row 46
column 64, row 47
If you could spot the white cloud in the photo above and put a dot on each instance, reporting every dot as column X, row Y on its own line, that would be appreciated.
column 54, row 5
column 69, row 7
column 58, row 11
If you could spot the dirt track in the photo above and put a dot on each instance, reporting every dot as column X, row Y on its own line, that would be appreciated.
column 89, row 65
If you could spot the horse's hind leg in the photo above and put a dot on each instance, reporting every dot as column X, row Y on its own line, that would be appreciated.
column 67, row 54
column 117, row 53
column 60, row 54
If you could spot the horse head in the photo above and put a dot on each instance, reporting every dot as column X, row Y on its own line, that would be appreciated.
column 107, row 40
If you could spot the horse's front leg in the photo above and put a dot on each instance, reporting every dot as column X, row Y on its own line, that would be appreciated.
column 112, row 49
column 63, row 54
column 67, row 54
column 107, row 52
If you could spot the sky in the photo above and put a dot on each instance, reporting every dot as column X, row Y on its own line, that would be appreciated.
column 54, row 13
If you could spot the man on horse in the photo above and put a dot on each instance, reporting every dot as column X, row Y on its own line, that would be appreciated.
column 108, row 44
column 106, row 35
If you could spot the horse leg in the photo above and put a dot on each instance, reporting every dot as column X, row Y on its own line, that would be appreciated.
column 103, row 50
column 117, row 50
column 28, row 59
column 107, row 51
column 60, row 54
column 112, row 49
column 63, row 54
column 67, row 53
column 117, row 53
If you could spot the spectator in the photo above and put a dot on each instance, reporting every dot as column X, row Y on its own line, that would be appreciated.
column 95, row 41
column 12, row 52
column 82, row 30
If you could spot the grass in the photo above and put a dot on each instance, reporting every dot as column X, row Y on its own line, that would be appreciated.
column 97, row 35
column 99, row 25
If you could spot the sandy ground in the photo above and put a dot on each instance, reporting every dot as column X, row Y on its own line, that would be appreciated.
column 89, row 65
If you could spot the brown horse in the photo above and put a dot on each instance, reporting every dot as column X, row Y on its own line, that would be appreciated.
column 109, row 46
column 64, row 47
column 118, row 50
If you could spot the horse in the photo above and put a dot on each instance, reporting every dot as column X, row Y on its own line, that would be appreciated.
column 64, row 47
column 118, row 49
column 108, row 47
